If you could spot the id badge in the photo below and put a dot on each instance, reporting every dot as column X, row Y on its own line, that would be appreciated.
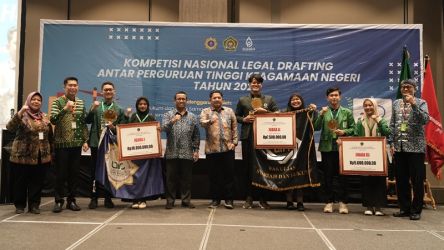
column 73, row 125
column 403, row 127
column 344, row 124
column 40, row 135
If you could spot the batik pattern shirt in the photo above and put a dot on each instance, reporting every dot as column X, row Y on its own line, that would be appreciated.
column 183, row 136
column 407, row 126
column 220, row 127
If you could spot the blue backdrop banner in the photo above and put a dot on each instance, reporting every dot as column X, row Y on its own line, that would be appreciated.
column 158, row 59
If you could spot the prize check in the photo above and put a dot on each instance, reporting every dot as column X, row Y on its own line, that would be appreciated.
column 139, row 141
column 275, row 131
column 363, row 156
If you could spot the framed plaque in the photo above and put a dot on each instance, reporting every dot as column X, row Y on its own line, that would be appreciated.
column 275, row 131
column 139, row 141
column 363, row 156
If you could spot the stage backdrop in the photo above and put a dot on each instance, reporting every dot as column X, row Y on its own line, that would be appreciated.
column 158, row 59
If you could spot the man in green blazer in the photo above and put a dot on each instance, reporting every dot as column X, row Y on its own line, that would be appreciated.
column 333, row 121
column 95, row 117
column 247, row 107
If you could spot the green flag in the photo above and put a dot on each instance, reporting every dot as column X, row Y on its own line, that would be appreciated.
column 405, row 71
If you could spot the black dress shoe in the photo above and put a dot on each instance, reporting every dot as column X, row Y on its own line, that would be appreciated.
column 58, row 206
column 109, row 203
column 34, row 210
column 401, row 214
column 415, row 216
column 19, row 210
column 169, row 205
column 290, row 206
column 300, row 206
column 188, row 205
column 73, row 206
column 93, row 203
column 214, row 204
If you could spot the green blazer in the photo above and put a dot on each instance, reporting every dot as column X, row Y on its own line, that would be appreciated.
column 244, row 106
column 381, row 130
column 346, row 123
column 94, row 117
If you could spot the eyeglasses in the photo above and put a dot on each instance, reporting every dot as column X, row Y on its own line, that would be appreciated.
column 407, row 87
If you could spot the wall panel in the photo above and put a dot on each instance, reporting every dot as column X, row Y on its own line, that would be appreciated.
column 36, row 10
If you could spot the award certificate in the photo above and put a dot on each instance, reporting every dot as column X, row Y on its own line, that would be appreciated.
column 139, row 141
column 362, row 156
column 275, row 131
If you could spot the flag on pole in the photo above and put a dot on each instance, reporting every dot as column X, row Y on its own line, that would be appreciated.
column 405, row 71
column 433, row 130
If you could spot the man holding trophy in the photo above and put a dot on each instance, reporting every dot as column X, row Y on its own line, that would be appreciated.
column 102, row 114
column 247, row 107
column 333, row 121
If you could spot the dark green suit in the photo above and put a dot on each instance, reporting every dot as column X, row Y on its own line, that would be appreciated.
column 244, row 106
column 248, row 153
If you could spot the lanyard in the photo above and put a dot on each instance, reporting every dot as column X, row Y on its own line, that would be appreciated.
column 405, row 110
column 138, row 118
column 334, row 116
column 110, row 106
column 368, row 126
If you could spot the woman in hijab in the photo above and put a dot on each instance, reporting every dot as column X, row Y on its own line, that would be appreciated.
column 143, row 109
column 141, row 115
column 307, row 176
column 30, row 153
column 373, row 187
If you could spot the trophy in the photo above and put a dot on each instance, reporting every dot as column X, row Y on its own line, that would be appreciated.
column 333, row 125
column 255, row 103
column 109, row 116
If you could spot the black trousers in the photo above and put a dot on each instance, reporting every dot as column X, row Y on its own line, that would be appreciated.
column 179, row 171
column 374, row 191
column 96, row 186
column 248, row 153
column 333, row 191
column 410, row 168
column 67, row 171
column 28, row 184
column 221, row 175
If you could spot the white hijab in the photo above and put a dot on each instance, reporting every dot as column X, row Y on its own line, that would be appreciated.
column 367, row 122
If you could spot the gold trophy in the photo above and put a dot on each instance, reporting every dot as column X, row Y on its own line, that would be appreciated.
column 109, row 116
column 256, row 103
column 333, row 125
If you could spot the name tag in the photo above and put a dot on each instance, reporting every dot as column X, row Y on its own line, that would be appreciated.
column 40, row 135
column 73, row 125
column 403, row 127
column 344, row 124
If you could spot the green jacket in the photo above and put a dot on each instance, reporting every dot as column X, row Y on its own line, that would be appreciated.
column 64, row 135
column 345, row 122
column 94, row 117
column 381, row 130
